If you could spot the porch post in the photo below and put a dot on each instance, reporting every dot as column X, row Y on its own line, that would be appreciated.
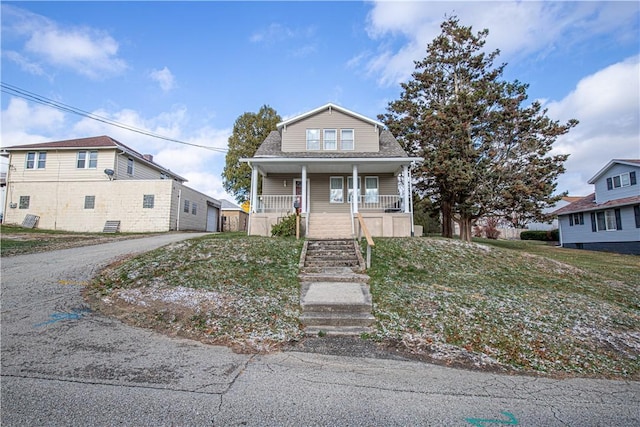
column 303, row 207
column 405, row 178
column 254, row 188
column 356, row 191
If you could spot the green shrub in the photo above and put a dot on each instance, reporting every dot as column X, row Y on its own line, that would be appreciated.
column 285, row 228
column 542, row 235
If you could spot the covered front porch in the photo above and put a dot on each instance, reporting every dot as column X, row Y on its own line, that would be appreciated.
column 322, row 191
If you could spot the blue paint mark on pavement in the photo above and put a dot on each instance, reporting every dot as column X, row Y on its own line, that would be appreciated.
column 57, row 317
column 480, row 422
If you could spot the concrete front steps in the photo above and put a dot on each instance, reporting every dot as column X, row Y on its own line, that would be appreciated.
column 329, row 226
column 334, row 292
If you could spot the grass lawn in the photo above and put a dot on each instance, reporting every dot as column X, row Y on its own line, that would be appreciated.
column 520, row 306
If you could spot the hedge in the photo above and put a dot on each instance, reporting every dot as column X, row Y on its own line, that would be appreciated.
column 545, row 236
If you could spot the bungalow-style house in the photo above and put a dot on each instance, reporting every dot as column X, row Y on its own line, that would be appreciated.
column 313, row 162
column 609, row 219
column 233, row 217
column 81, row 184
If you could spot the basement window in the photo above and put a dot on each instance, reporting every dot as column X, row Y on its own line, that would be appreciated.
column 148, row 201
column 89, row 202
column 24, row 202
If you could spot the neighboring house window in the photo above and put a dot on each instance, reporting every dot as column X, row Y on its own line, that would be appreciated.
column 608, row 220
column 330, row 139
column 148, row 201
column 336, row 194
column 36, row 160
column 89, row 202
column 371, row 189
column 313, row 139
column 194, row 208
column 636, row 214
column 576, row 219
column 623, row 180
column 24, row 202
column 350, row 188
column 186, row 206
column 130, row 166
column 87, row 159
column 346, row 139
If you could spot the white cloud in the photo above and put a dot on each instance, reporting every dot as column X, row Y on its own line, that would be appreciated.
column 23, row 123
column 518, row 29
column 273, row 33
column 607, row 104
column 87, row 51
column 164, row 78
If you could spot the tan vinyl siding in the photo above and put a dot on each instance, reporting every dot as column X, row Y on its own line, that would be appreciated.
column 366, row 138
column 140, row 169
column 61, row 166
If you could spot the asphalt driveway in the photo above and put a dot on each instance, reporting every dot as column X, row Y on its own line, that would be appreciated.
column 65, row 365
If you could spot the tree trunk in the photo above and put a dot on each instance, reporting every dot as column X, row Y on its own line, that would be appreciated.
column 447, row 220
column 465, row 228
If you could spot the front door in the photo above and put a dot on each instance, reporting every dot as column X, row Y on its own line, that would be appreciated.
column 297, row 192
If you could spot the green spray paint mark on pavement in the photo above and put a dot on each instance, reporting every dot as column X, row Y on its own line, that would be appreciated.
column 480, row 422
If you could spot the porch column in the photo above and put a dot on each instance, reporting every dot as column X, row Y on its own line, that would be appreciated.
column 254, row 188
column 303, row 205
column 405, row 178
column 356, row 191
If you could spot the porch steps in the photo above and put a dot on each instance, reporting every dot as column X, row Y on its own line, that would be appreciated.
column 330, row 226
column 334, row 293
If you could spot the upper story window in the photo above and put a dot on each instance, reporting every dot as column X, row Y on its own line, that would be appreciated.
column 330, row 139
column 346, row 139
column 313, row 139
column 36, row 160
column 130, row 166
column 87, row 159
column 623, row 180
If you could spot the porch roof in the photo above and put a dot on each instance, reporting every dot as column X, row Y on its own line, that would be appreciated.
column 344, row 165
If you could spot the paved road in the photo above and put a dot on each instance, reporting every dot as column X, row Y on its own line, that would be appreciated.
column 63, row 365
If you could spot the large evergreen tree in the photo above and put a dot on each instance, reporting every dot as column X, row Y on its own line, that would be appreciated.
column 485, row 151
column 249, row 131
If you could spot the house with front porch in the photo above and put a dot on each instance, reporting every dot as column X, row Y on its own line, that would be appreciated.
column 336, row 168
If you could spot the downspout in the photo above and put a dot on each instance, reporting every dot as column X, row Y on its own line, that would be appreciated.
column 560, row 231
column 178, row 210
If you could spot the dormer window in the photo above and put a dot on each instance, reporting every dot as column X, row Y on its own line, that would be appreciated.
column 313, row 139
column 346, row 139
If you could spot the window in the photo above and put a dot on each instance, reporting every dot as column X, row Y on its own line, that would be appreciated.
column 346, row 139
column 607, row 220
column 636, row 214
column 194, row 208
column 330, row 139
column 89, row 202
column 130, row 166
column 148, row 201
column 576, row 219
column 24, row 202
column 186, row 206
column 36, row 160
column 623, row 180
column 313, row 139
column 87, row 160
column 350, row 188
column 371, row 189
column 336, row 194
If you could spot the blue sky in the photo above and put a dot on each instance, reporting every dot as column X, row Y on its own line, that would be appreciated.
column 187, row 70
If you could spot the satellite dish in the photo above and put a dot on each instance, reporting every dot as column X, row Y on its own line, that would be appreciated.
column 109, row 173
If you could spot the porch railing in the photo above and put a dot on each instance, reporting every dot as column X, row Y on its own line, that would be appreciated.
column 384, row 203
column 282, row 204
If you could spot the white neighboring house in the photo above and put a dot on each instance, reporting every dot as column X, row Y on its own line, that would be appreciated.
column 80, row 184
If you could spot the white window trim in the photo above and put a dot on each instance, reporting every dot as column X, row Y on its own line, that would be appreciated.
column 324, row 139
column 353, row 140
column 341, row 178
column 350, row 178
column 319, row 139
column 377, row 189
column 36, row 160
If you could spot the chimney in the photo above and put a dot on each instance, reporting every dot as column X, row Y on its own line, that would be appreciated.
column 148, row 157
